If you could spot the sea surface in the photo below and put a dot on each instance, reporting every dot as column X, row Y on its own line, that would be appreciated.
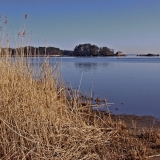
column 132, row 83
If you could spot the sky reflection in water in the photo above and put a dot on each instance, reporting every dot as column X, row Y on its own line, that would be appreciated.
column 132, row 83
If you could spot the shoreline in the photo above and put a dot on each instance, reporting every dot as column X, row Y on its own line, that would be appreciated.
column 156, row 56
column 145, row 121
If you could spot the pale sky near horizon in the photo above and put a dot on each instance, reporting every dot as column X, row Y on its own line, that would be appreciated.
column 130, row 26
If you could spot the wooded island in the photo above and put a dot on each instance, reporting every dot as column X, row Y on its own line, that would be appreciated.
column 80, row 50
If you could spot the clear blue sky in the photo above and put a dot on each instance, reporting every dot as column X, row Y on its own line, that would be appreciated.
column 131, row 26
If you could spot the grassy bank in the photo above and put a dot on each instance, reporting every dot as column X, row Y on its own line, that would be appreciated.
column 43, row 119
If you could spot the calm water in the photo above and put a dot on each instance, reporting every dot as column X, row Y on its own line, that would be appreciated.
column 132, row 83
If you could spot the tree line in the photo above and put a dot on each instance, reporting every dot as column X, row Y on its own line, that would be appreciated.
column 80, row 50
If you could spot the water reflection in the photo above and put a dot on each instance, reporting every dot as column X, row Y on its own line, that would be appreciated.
column 90, row 66
column 131, row 83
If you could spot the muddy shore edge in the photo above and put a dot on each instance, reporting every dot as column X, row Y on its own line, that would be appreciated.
column 140, row 122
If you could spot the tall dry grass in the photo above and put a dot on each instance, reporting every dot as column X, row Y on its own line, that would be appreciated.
column 37, row 121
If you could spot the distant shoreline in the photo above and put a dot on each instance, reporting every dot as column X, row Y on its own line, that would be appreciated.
column 45, row 55
column 149, row 55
